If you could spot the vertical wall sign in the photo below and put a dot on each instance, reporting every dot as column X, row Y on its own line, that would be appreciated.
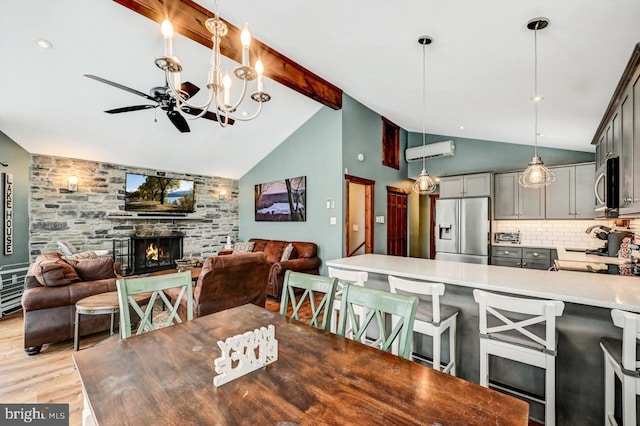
column 8, row 212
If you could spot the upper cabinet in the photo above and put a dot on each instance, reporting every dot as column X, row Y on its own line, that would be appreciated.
column 618, row 135
column 630, row 143
column 512, row 201
column 477, row 185
column 571, row 195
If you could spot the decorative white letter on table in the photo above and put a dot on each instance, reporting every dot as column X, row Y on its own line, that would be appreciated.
column 251, row 351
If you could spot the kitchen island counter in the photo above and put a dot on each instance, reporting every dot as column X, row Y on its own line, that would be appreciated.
column 585, row 288
column 588, row 298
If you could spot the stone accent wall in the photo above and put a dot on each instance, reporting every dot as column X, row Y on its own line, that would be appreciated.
column 94, row 216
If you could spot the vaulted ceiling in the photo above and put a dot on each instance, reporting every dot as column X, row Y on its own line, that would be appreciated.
column 479, row 73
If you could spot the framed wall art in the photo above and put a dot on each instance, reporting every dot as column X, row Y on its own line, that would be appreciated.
column 281, row 200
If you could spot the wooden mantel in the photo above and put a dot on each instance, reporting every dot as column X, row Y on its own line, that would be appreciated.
column 188, row 19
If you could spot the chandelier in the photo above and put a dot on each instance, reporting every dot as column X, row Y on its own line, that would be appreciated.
column 424, row 184
column 219, row 82
column 537, row 175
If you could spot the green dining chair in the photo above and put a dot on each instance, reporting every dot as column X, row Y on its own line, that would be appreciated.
column 155, row 286
column 313, row 285
column 379, row 303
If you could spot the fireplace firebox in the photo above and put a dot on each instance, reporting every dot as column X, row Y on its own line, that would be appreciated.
column 155, row 253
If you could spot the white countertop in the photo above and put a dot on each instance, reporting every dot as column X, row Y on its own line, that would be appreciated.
column 585, row 288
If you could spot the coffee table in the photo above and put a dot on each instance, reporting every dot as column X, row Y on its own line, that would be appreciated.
column 100, row 304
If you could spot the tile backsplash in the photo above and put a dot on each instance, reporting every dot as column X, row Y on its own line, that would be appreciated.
column 567, row 233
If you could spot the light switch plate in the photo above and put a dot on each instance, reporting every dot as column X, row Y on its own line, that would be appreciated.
column 333, row 220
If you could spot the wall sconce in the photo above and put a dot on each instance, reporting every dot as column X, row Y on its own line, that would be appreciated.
column 72, row 183
column 222, row 195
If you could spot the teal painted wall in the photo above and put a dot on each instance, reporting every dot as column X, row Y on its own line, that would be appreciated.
column 18, row 160
column 362, row 133
column 314, row 151
column 474, row 155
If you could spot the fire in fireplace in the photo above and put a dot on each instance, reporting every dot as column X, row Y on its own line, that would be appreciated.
column 155, row 253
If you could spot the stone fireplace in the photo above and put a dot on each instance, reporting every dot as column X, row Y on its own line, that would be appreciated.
column 155, row 252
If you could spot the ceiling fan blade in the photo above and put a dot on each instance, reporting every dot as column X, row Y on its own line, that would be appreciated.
column 131, row 108
column 178, row 121
column 189, row 88
column 208, row 115
column 120, row 86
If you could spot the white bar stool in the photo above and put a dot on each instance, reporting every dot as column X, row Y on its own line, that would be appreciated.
column 346, row 277
column 620, row 358
column 530, row 341
column 432, row 319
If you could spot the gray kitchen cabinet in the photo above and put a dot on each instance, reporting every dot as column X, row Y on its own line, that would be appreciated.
column 476, row 185
column 512, row 201
column 522, row 257
column 618, row 135
column 571, row 195
column 630, row 149
column 585, row 197
column 505, row 204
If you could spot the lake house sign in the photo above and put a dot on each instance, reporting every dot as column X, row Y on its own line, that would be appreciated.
column 8, row 212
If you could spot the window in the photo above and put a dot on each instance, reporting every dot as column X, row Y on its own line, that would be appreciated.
column 390, row 144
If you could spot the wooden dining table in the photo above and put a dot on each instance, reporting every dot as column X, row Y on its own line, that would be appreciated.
column 166, row 377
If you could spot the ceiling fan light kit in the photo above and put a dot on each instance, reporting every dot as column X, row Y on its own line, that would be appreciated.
column 537, row 175
column 424, row 184
column 219, row 83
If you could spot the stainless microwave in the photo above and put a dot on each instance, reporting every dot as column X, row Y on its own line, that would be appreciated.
column 607, row 189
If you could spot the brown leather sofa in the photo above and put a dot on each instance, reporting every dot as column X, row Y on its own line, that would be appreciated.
column 304, row 258
column 226, row 282
column 52, row 288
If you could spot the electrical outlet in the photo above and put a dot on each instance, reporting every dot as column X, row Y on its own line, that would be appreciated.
column 333, row 220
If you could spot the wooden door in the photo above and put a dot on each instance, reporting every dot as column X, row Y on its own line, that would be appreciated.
column 369, row 190
column 397, row 202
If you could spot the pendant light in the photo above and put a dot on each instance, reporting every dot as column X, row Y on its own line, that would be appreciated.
column 537, row 175
column 424, row 184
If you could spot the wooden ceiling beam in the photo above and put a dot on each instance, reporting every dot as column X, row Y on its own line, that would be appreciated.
column 188, row 19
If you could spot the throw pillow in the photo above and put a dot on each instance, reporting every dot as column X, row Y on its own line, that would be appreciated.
column 240, row 247
column 51, row 271
column 83, row 255
column 66, row 248
column 286, row 254
column 94, row 269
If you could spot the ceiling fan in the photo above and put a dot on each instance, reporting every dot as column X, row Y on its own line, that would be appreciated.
column 163, row 100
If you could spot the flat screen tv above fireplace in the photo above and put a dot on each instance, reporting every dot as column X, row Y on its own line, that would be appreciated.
column 158, row 194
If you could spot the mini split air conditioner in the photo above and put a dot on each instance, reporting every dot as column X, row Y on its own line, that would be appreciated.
column 432, row 150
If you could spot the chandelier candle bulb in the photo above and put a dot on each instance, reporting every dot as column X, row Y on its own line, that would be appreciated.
column 167, row 33
column 260, row 71
column 226, row 82
column 245, row 39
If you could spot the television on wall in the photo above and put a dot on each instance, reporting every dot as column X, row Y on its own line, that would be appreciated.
column 158, row 194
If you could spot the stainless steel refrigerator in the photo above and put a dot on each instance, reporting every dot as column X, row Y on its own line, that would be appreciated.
column 463, row 230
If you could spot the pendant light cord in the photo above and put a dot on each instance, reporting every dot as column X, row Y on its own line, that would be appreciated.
column 535, row 89
column 424, row 100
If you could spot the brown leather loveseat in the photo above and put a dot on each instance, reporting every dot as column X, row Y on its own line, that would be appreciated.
column 226, row 282
column 303, row 258
column 52, row 288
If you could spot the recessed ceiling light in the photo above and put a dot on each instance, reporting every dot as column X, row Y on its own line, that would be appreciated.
column 45, row 44
column 245, row 113
column 461, row 127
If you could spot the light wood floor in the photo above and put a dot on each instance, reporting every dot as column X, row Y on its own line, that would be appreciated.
column 48, row 377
